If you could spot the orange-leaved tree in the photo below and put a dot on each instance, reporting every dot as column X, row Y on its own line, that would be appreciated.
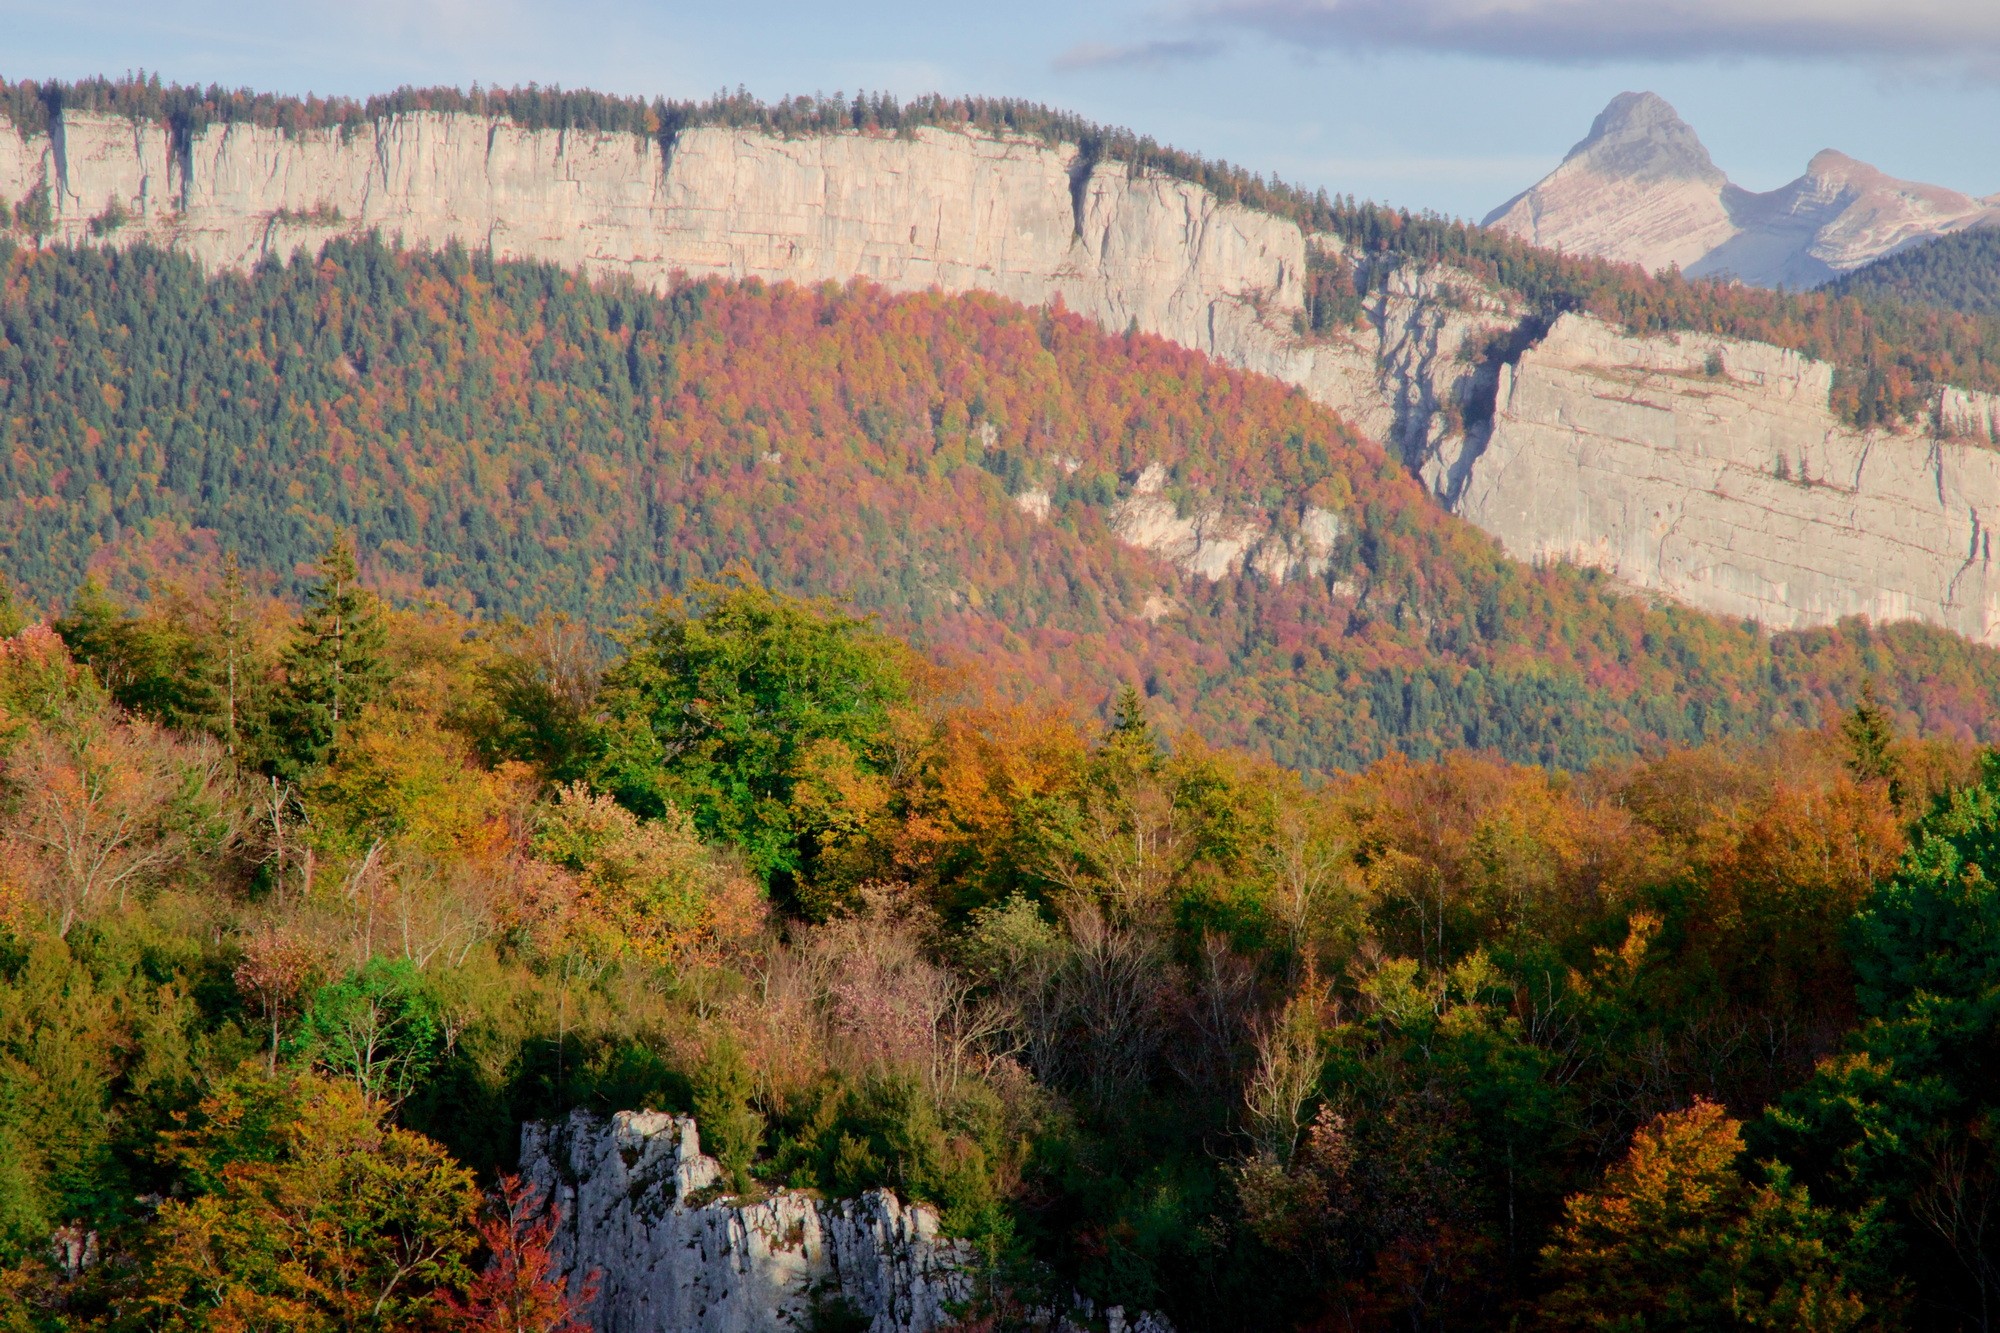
column 1677, row 1238
column 306, row 1211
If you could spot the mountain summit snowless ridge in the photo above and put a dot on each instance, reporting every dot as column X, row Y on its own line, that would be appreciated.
column 1641, row 188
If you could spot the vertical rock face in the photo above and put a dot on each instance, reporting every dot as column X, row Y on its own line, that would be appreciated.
column 1710, row 470
column 1736, row 492
column 634, row 1196
column 935, row 208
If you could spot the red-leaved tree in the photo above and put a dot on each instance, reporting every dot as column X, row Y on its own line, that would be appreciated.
column 519, row 1291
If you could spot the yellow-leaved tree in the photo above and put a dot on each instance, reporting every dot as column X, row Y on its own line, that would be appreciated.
column 1678, row 1238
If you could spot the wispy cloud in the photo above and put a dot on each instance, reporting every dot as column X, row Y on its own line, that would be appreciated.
column 1585, row 31
column 1152, row 54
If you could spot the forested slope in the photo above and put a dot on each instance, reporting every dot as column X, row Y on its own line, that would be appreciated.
column 513, row 440
column 1956, row 272
column 1890, row 354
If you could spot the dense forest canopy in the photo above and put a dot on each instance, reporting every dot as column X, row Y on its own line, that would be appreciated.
column 1890, row 352
column 1956, row 272
column 306, row 908
column 510, row 439
column 419, row 716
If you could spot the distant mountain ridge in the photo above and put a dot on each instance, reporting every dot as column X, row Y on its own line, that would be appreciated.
column 1641, row 188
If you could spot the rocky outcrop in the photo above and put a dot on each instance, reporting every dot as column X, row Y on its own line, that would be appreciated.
column 1711, row 470
column 641, row 1214
column 638, row 1209
column 1212, row 544
column 1640, row 188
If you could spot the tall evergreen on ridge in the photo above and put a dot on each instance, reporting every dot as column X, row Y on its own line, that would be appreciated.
column 333, row 666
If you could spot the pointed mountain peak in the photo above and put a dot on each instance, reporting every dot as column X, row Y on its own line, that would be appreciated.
column 1641, row 137
column 1636, row 113
column 1833, row 162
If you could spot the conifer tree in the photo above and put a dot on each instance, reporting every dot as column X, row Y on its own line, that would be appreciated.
column 13, row 617
column 1129, row 722
column 333, row 666
column 1871, row 737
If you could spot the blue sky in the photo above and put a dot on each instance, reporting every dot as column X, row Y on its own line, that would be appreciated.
column 1446, row 104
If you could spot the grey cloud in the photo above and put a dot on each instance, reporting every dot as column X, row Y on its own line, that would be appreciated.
column 1585, row 31
column 1092, row 55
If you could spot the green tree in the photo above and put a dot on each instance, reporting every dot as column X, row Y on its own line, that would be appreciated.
column 544, row 688
column 761, row 715
column 153, row 664
column 731, row 1128
column 1871, row 740
column 1130, row 723
column 36, row 213
column 231, row 667
column 307, row 1211
column 1904, row 1118
column 1676, row 1238
column 334, row 666
column 13, row 616
column 377, row 1027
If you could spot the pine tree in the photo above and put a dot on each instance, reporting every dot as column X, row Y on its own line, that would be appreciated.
column 1129, row 723
column 1871, row 738
column 334, row 665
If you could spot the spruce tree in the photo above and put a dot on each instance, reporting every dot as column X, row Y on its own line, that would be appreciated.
column 334, row 665
column 1871, row 736
column 1130, row 723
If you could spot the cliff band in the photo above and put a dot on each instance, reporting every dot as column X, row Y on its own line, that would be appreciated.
column 1737, row 492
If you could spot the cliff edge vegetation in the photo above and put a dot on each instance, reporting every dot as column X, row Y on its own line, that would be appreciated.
column 1892, row 353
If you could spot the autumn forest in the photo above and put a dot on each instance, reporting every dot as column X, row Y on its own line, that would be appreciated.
column 438, row 693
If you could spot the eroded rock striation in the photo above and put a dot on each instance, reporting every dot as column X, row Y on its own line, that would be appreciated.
column 1737, row 492
column 1641, row 188
column 637, row 1204
column 1711, row 470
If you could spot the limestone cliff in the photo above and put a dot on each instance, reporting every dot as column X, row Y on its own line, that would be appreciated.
column 1710, row 470
column 1012, row 216
column 640, row 1212
column 1736, row 492
column 632, row 1201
